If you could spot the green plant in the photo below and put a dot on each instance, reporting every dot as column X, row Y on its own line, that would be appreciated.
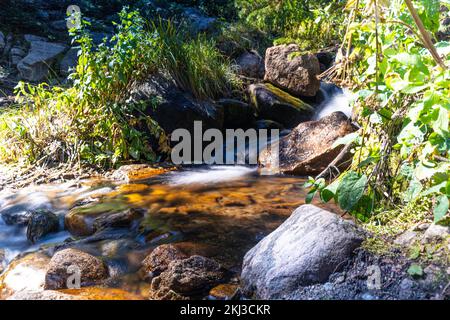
column 402, row 82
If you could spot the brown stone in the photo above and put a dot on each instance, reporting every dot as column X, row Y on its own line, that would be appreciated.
column 308, row 149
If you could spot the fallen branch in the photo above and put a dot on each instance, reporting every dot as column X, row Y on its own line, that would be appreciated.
column 332, row 170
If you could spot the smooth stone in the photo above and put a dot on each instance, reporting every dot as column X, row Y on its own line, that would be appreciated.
column 41, row 223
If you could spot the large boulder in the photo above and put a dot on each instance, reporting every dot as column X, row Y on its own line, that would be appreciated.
column 63, row 265
column 308, row 149
column 274, row 104
column 292, row 71
column 35, row 66
column 250, row 64
column 192, row 277
column 159, row 259
column 41, row 223
column 306, row 249
column 177, row 109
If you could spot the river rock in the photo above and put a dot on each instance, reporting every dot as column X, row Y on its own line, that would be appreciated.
column 237, row 114
column 136, row 172
column 292, row 71
column 24, row 273
column 16, row 54
column 160, row 258
column 177, row 109
column 123, row 219
column 35, row 66
column 186, row 278
column 59, row 270
column 306, row 249
column 41, row 223
column 275, row 104
column 251, row 64
column 17, row 212
column 308, row 149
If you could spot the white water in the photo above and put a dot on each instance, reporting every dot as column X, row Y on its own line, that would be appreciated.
column 335, row 99
column 210, row 175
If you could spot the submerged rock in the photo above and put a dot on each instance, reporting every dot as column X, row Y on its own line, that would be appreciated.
column 18, row 212
column 292, row 71
column 66, row 263
column 275, row 104
column 136, row 172
column 186, row 278
column 41, row 223
column 306, row 249
column 308, row 149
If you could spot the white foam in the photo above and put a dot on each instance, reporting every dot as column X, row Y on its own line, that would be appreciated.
column 214, row 174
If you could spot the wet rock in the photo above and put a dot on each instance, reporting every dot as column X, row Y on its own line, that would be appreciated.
column 18, row 212
column 123, row 219
column 69, row 61
column 308, row 149
column 291, row 71
column 177, row 109
column 41, row 223
column 24, row 273
column 85, row 220
column 251, row 64
column 224, row 292
column 274, row 104
column 66, row 263
column 186, row 278
column 160, row 258
column 237, row 114
column 136, row 172
column 35, row 66
column 436, row 232
column 306, row 249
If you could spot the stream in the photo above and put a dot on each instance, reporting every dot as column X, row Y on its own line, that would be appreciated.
column 216, row 211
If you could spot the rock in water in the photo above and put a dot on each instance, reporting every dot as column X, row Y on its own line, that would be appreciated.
column 41, row 223
column 306, row 249
column 274, row 104
column 308, row 149
column 292, row 71
column 194, row 276
column 34, row 67
column 67, row 263
column 158, row 261
column 237, row 114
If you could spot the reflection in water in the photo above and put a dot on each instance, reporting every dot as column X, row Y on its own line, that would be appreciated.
column 219, row 212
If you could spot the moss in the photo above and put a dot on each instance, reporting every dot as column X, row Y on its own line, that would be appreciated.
column 286, row 97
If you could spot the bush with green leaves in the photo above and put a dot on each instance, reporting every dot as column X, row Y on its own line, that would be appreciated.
column 401, row 80
column 93, row 121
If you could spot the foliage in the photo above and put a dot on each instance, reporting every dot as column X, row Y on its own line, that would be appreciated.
column 93, row 121
column 403, row 102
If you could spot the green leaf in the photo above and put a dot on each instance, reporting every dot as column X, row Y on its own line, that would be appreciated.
column 441, row 208
column 349, row 138
column 330, row 191
column 415, row 270
column 351, row 189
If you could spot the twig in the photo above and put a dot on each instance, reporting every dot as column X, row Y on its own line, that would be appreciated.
column 335, row 163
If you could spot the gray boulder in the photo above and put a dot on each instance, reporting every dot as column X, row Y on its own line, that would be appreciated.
column 292, row 71
column 250, row 64
column 16, row 54
column 306, row 249
column 35, row 66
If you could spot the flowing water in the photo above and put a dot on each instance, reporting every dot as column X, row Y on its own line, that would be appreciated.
column 216, row 211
